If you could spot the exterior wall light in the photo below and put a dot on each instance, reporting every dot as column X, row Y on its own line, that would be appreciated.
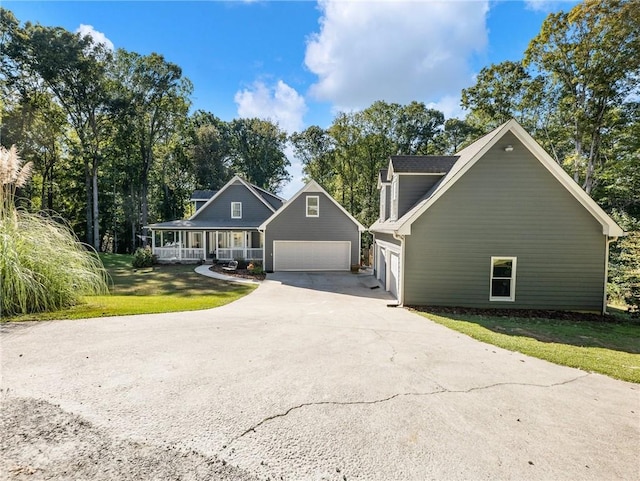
column 508, row 148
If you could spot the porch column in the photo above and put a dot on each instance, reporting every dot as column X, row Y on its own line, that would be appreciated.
column 180, row 245
column 246, row 243
column 204, row 245
column 217, row 244
column 153, row 240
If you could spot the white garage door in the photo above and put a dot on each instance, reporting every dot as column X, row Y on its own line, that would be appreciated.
column 311, row 256
column 394, row 271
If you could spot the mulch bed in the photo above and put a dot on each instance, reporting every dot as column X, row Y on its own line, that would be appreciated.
column 523, row 313
column 242, row 273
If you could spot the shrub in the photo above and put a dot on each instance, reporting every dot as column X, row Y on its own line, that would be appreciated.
column 255, row 268
column 43, row 266
column 142, row 257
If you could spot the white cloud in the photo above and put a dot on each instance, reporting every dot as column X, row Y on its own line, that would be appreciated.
column 98, row 37
column 397, row 51
column 280, row 103
column 548, row 6
column 450, row 106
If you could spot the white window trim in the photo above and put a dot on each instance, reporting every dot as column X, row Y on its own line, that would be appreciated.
column 317, row 197
column 512, row 297
column 236, row 216
column 394, row 188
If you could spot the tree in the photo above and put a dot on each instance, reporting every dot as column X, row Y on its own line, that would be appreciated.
column 157, row 98
column 590, row 56
column 257, row 152
column 73, row 69
column 315, row 148
column 502, row 91
column 209, row 150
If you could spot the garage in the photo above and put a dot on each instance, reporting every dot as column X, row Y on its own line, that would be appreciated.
column 394, row 273
column 311, row 255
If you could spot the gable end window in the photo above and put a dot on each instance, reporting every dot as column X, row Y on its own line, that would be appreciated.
column 503, row 279
column 394, row 188
column 236, row 210
column 313, row 206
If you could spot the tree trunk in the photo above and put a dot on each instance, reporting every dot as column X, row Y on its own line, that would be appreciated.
column 96, row 216
column 87, row 182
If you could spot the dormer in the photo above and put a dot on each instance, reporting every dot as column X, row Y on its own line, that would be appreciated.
column 411, row 177
column 384, row 186
column 200, row 198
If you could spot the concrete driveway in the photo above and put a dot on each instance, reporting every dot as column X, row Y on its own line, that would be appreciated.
column 313, row 377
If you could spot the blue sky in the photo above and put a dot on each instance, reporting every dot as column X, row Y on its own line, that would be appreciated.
column 300, row 62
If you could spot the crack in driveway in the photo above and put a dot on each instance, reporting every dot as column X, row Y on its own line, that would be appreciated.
column 442, row 390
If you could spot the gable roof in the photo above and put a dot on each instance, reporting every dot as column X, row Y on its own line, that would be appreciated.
column 254, row 189
column 200, row 195
column 420, row 164
column 471, row 154
column 312, row 186
column 382, row 178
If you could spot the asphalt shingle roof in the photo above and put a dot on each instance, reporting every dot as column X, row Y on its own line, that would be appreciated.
column 423, row 164
column 203, row 194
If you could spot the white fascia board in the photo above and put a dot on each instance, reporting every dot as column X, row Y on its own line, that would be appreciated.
column 421, row 173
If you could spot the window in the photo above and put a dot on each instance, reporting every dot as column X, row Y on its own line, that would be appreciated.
column 394, row 188
column 503, row 279
column 313, row 206
column 236, row 210
column 383, row 203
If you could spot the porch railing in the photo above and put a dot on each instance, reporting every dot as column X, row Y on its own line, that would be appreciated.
column 179, row 253
column 249, row 254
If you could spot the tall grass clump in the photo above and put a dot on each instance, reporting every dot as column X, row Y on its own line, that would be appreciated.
column 43, row 266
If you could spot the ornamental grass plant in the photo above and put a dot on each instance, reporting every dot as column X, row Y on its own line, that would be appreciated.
column 43, row 266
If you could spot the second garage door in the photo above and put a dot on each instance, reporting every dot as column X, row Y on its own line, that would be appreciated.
column 311, row 256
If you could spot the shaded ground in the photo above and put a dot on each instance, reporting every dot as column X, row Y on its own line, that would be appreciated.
column 40, row 441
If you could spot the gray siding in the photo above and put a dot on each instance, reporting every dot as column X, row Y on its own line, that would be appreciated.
column 293, row 224
column 387, row 199
column 254, row 211
column 507, row 204
column 412, row 188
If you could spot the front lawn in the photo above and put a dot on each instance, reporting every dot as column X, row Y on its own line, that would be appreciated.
column 609, row 347
column 162, row 288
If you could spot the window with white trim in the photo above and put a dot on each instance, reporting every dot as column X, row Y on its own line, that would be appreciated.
column 313, row 206
column 394, row 188
column 503, row 279
column 236, row 210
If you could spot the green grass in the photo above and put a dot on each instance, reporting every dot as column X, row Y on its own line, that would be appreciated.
column 609, row 348
column 164, row 288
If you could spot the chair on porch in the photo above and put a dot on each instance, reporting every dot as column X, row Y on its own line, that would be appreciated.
column 231, row 266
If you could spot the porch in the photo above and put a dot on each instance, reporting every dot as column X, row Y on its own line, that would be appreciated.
column 194, row 246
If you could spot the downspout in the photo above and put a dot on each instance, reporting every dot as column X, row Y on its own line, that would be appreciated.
column 608, row 240
column 396, row 236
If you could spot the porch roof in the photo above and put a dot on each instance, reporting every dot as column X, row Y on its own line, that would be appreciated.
column 186, row 224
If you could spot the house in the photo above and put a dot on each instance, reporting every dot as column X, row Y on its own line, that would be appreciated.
column 498, row 225
column 224, row 227
column 311, row 232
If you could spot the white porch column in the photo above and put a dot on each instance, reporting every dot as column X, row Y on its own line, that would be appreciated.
column 180, row 246
column 204, row 245
column 153, row 241
column 217, row 244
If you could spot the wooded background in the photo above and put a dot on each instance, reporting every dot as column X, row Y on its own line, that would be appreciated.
column 116, row 146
